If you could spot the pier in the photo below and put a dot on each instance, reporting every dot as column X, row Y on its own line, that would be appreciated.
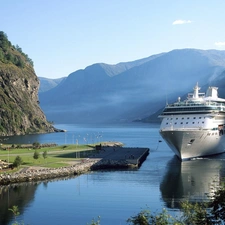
column 119, row 157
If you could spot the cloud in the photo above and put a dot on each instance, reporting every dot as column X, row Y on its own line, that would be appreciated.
column 179, row 22
column 219, row 44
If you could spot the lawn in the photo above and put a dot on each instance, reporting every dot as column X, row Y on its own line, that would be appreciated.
column 57, row 156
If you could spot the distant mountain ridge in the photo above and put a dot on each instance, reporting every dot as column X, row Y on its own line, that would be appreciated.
column 112, row 70
column 131, row 91
column 47, row 83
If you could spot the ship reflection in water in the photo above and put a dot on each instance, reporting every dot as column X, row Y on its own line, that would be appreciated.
column 194, row 181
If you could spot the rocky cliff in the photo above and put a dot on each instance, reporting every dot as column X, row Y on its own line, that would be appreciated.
column 19, row 105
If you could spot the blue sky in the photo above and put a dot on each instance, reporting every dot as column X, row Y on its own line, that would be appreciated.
column 64, row 36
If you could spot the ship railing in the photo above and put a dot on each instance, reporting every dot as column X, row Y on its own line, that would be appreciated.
column 200, row 95
column 183, row 128
column 207, row 103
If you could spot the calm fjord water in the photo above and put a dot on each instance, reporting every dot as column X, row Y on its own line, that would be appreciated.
column 161, row 182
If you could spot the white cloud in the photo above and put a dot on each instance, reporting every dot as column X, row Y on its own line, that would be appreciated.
column 219, row 44
column 179, row 22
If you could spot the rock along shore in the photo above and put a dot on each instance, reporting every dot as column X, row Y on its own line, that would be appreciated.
column 43, row 174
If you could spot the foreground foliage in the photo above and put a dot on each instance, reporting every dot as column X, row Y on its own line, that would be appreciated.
column 146, row 218
column 218, row 206
column 210, row 213
column 15, row 211
column 195, row 213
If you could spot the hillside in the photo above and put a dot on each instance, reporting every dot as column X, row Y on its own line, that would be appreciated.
column 20, row 112
column 131, row 91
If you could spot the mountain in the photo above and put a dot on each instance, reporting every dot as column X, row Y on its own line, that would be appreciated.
column 20, row 112
column 131, row 91
column 47, row 83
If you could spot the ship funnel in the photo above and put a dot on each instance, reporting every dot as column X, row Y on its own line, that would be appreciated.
column 212, row 92
column 196, row 89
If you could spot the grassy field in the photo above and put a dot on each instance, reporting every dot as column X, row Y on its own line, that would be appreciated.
column 57, row 156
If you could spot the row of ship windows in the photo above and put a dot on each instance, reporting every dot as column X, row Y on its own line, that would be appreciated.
column 213, row 134
column 186, row 123
column 186, row 118
column 172, row 109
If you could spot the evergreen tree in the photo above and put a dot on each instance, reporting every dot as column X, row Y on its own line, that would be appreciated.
column 7, row 53
column 36, row 154
column 44, row 154
column 18, row 161
column 35, row 144
column 4, row 43
column 2, row 55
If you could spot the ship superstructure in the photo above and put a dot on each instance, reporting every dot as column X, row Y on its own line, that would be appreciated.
column 195, row 127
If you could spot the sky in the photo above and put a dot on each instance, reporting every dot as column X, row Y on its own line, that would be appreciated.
column 64, row 36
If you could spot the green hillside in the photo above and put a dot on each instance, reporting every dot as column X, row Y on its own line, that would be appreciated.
column 19, row 105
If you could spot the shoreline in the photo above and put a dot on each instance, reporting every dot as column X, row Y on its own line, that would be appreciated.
column 47, row 173
column 107, row 158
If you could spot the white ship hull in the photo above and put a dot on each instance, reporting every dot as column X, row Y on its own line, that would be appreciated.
column 188, row 144
column 195, row 127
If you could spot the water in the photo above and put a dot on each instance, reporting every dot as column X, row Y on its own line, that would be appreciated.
column 161, row 182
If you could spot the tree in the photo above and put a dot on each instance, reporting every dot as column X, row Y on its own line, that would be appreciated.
column 19, row 62
column 36, row 145
column 218, row 205
column 2, row 55
column 15, row 211
column 95, row 222
column 209, row 213
column 36, row 154
column 18, row 161
column 4, row 43
column 18, row 49
column 10, row 57
column 7, row 53
column 146, row 218
column 141, row 218
column 45, row 154
column 195, row 213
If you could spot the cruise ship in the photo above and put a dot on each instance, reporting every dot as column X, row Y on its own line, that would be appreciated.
column 195, row 127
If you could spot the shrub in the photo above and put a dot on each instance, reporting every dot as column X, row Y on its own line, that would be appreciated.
column 218, row 206
column 45, row 154
column 36, row 154
column 18, row 161
column 36, row 145
column 146, row 218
